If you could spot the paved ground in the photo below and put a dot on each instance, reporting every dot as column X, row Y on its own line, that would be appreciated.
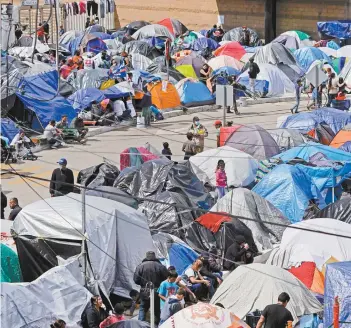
column 109, row 145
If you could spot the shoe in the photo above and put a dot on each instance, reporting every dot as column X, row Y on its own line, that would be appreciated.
column 296, row 112
column 229, row 112
column 53, row 147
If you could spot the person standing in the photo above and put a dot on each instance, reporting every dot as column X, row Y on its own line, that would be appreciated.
column 3, row 205
column 149, row 272
column 333, row 88
column 15, row 208
column 276, row 315
column 60, row 178
column 254, row 70
column 166, row 151
column 199, row 133
column 221, row 179
column 189, row 147
column 218, row 125
column 168, row 287
column 298, row 89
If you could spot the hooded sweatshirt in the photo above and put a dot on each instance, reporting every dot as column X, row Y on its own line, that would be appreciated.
column 172, row 306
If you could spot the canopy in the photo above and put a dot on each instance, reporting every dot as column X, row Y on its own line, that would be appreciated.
column 340, row 210
column 174, row 26
column 194, row 93
column 289, row 189
column 340, row 29
column 152, row 30
column 306, row 56
column 245, row 203
column 233, row 49
column 206, row 316
column 224, row 60
column 237, row 34
column 314, row 244
column 240, row 167
column 83, row 98
column 261, row 284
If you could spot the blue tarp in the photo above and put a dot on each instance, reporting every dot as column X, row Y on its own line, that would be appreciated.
column 307, row 150
column 203, row 43
column 289, row 189
column 346, row 147
column 181, row 256
column 337, row 283
column 114, row 93
column 340, row 29
column 102, row 35
column 195, row 94
column 40, row 94
column 73, row 45
column 226, row 70
column 333, row 45
column 261, row 86
column 306, row 56
column 83, row 98
column 155, row 42
column 8, row 128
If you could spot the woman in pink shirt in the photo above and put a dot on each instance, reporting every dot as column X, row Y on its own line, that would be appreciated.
column 221, row 179
column 115, row 317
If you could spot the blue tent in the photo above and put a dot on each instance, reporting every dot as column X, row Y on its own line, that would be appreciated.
column 194, row 93
column 261, row 86
column 333, row 45
column 114, row 93
column 337, row 283
column 96, row 46
column 346, row 147
column 74, row 44
column 8, row 128
column 203, row 32
column 204, row 43
column 102, row 35
column 83, row 98
column 289, row 189
column 306, row 56
column 40, row 94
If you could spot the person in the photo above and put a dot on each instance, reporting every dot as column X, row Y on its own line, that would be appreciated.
column 96, row 110
column 66, row 68
column 94, row 313
column 166, row 151
column 77, row 60
column 104, row 62
column 204, row 73
column 254, row 70
column 20, row 141
column 189, row 146
column 58, row 324
column 15, row 208
column 218, row 125
column 40, row 32
column 59, row 176
column 298, row 89
column 314, row 96
column 333, row 88
column 117, row 316
column 196, row 283
column 221, row 179
column 46, row 29
column 87, row 23
column 214, row 279
column 276, row 315
column 63, row 124
column 88, row 63
column 62, row 30
column 78, row 124
column 149, row 271
column 173, row 304
column 199, row 133
column 119, row 108
column 168, row 287
column 238, row 252
column 108, row 115
column 3, row 205
column 53, row 135
column 246, row 37
column 341, row 85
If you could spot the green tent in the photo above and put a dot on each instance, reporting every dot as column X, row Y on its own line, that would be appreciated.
column 10, row 267
column 302, row 35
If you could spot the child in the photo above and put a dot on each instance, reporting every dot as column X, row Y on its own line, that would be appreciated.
column 115, row 317
column 218, row 125
column 166, row 151
column 173, row 305
column 189, row 147
column 298, row 89
column 168, row 287
column 221, row 179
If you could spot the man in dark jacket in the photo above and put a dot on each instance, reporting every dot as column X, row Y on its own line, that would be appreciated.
column 239, row 251
column 59, row 178
column 253, row 72
column 209, row 275
column 15, row 208
column 3, row 205
column 149, row 271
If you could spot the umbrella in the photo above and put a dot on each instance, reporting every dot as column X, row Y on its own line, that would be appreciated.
column 233, row 49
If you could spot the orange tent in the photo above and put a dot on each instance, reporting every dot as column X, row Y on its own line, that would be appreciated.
column 233, row 49
column 164, row 94
column 342, row 137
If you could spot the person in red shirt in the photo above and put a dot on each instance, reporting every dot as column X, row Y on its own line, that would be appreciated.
column 221, row 178
column 115, row 317
column 66, row 68
column 40, row 32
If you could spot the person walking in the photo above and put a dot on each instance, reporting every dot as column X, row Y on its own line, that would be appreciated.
column 60, row 178
column 254, row 70
column 298, row 89
column 15, row 208
column 276, row 315
column 149, row 274
column 221, row 179
column 199, row 132
column 189, row 147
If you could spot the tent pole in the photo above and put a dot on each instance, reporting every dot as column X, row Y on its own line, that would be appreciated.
column 84, row 251
column 152, row 305
column 225, row 105
column 57, row 10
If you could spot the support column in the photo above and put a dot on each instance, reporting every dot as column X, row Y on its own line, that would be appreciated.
column 269, row 20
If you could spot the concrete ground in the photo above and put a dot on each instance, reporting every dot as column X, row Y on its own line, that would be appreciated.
column 109, row 145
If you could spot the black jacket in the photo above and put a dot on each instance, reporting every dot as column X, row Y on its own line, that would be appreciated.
column 3, row 204
column 59, row 176
column 253, row 70
column 150, row 270
column 237, row 254
column 91, row 318
column 206, row 270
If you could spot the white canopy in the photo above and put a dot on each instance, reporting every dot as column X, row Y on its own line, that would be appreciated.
column 254, row 286
column 240, row 167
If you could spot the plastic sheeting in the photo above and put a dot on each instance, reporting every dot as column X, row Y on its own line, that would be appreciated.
column 340, row 29
column 83, row 98
column 340, row 210
column 8, row 128
column 261, row 284
column 152, row 30
column 84, row 79
column 306, row 56
column 289, row 189
column 337, row 283
column 247, row 204
column 240, row 167
column 140, row 62
column 237, row 34
column 142, row 48
column 10, row 267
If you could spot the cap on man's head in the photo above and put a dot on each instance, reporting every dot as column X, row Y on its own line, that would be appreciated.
column 62, row 161
column 150, row 255
column 240, row 239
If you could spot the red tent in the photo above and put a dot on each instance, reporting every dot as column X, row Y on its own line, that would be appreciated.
column 308, row 273
column 233, row 49
column 174, row 26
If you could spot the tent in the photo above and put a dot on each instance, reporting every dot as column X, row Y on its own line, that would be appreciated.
column 204, row 45
column 288, row 41
column 94, row 28
column 346, row 147
column 335, row 28
column 88, row 78
column 237, row 34
column 340, row 210
column 191, row 64
column 240, row 167
column 174, row 26
column 233, row 49
column 135, row 156
column 313, row 241
column 261, row 284
column 224, row 60
column 253, row 140
column 306, row 56
column 10, row 267
column 83, row 98
column 152, row 30
column 163, row 94
column 173, row 251
column 290, row 190
column 244, row 203
column 206, row 316
column 51, row 227
column 344, row 51
column 336, row 285
column 279, row 83
column 140, row 62
column 8, row 128
column 194, row 93
column 322, row 133
column 341, row 138
column 142, row 48
column 287, row 138
column 302, row 38
column 346, row 73
column 226, row 70
column 158, row 67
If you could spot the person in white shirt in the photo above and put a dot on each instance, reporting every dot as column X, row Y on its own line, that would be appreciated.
column 53, row 135
column 89, row 62
column 119, row 108
column 333, row 88
column 20, row 141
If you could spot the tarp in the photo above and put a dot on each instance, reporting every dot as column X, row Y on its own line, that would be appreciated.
column 88, row 78
column 204, row 43
column 83, row 98
column 337, row 284
column 289, row 189
column 244, row 203
column 237, row 34
column 140, row 61
column 149, row 31
column 240, row 167
column 39, row 90
column 194, row 93
column 288, row 41
column 261, row 284
column 8, row 128
column 340, row 210
column 340, row 29
column 10, row 268
column 142, row 48
column 306, row 56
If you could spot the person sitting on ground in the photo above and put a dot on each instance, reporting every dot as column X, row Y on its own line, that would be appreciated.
column 214, row 263
column 78, row 123
column 104, row 61
column 239, row 251
column 15, row 208
column 58, row 324
column 119, row 109
column 78, row 60
column 206, row 272
column 172, row 305
column 117, row 316
column 96, row 110
column 94, row 313
column 53, row 135
column 66, row 68
column 63, row 124
column 168, row 287
column 189, row 147
column 20, row 141
column 166, row 151
column 108, row 115
column 276, row 315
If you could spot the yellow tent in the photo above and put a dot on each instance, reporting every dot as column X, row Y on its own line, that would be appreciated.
column 187, row 70
column 107, row 84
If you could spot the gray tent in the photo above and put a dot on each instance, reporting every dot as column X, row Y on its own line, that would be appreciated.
column 84, row 78
column 288, row 41
column 237, row 34
column 140, row 47
column 153, row 30
column 287, row 138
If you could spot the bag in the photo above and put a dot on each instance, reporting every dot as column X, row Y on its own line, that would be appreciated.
column 145, row 293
